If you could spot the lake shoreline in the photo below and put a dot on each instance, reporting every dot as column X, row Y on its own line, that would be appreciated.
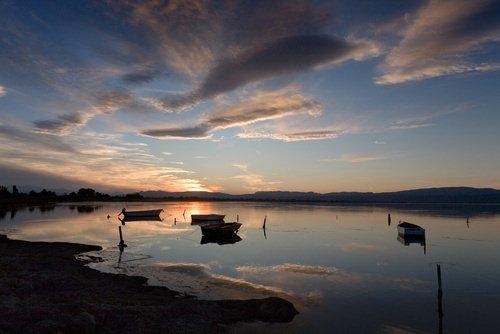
column 45, row 288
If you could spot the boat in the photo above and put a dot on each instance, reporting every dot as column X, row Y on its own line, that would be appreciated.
column 140, row 214
column 207, row 218
column 220, row 229
column 127, row 218
column 408, row 229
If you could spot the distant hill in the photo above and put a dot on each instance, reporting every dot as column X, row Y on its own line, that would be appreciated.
column 428, row 195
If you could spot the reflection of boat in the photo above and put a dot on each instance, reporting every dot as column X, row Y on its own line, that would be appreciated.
column 408, row 229
column 207, row 218
column 223, row 239
column 221, row 228
column 407, row 240
column 141, row 214
column 415, row 239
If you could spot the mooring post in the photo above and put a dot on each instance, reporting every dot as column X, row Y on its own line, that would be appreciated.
column 175, row 221
column 122, row 243
column 264, row 225
column 237, row 218
column 440, row 298
column 389, row 219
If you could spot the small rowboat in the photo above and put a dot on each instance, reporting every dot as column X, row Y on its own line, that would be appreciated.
column 408, row 229
column 141, row 214
column 220, row 229
column 141, row 218
column 207, row 218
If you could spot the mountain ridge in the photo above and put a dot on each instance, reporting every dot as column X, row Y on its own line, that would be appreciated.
column 420, row 195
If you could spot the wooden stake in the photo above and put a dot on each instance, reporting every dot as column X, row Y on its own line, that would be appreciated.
column 122, row 242
column 237, row 218
column 440, row 298
column 264, row 225
column 389, row 219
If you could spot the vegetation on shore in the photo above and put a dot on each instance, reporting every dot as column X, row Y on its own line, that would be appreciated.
column 47, row 196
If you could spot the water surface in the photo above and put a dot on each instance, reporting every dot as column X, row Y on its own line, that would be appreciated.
column 343, row 267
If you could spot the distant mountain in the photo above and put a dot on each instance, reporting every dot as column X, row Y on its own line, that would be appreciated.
column 428, row 195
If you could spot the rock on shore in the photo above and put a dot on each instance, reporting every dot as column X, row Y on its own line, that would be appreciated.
column 44, row 289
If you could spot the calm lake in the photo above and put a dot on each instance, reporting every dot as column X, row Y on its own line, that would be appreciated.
column 343, row 267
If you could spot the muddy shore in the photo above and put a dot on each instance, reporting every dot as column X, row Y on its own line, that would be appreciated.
column 44, row 289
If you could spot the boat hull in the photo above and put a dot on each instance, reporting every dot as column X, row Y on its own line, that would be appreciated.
column 141, row 214
column 207, row 218
column 220, row 229
column 411, row 231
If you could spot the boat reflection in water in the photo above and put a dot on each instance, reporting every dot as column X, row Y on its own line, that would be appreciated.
column 221, row 239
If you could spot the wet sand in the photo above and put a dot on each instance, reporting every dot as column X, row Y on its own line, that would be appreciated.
column 44, row 289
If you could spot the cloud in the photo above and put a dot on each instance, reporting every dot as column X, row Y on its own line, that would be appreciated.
column 243, row 167
column 426, row 119
column 438, row 39
column 293, row 136
column 106, row 160
column 63, row 124
column 102, row 103
column 283, row 56
column 3, row 91
column 356, row 158
column 409, row 124
column 263, row 106
column 25, row 138
column 252, row 181
column 187, row 36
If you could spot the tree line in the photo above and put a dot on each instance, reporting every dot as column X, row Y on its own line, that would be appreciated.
column 83, row 194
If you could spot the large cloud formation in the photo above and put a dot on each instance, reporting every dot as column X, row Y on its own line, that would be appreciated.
column 439, row 37
column 263, row 106
column 283, row 56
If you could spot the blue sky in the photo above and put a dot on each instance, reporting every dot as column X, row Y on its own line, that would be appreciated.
column 242, row 96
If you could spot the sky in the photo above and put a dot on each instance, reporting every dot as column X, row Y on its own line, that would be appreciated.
column 244, row 96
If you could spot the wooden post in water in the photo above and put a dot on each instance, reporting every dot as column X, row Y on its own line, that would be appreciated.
column 264, row 225
column 440, row 299
column 389, row 219
column 175, row 221
column 237, row 218
column 122, row 242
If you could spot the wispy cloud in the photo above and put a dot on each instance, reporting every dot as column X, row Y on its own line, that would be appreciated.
column 355, row 158
column 438, row 39
column 252, row 181
column 243, row 167
column 425, row 119
column 102, row 103
column 293, row 136
column 263, row 106
column 107, row 161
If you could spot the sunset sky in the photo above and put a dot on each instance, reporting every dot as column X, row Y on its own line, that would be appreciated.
column 243, row 96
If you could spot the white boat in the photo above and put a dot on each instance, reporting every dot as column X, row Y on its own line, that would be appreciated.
column 207, row 218
column 141, row 214
column 408, row 229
